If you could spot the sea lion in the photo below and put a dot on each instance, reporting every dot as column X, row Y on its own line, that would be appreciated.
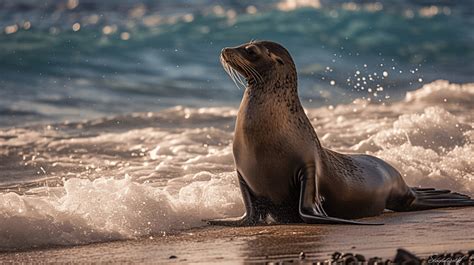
column 283, row 170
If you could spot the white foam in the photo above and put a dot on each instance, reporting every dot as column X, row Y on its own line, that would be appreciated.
column 109, row 209
column 93, row 182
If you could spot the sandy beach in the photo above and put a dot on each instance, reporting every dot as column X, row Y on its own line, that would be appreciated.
column 423, row 233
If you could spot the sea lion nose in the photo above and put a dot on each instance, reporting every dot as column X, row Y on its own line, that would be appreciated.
column 226, row 52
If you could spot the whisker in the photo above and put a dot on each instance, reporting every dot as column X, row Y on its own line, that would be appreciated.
column 232, row 75
column 239, row 77
column 229, row 71
column 255, row 74
column 247, row 68
column 252, row 70
column 242, row 78
column 236, row 76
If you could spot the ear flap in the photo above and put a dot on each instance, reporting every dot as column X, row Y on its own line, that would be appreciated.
column 276, row 58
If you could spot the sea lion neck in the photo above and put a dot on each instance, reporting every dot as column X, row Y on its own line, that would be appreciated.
column 276, row 88
column 274, row 103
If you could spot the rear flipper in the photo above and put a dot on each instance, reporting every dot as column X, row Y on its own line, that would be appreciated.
column 429, row 198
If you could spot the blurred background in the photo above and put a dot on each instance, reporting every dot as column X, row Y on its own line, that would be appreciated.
column 80, row 59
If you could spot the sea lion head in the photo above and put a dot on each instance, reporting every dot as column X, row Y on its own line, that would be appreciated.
column 258, row 62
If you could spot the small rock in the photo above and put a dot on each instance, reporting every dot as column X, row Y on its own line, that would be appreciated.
column 336, row 255
column 350, row 260
column 302, row 255
column 360, row 257
column 460, row 258
column 374, row 260
column 405, row 257
column 173, row 257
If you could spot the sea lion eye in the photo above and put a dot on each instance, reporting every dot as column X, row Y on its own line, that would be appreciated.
column 251, row 50
column 276, row 58
column 279, row 60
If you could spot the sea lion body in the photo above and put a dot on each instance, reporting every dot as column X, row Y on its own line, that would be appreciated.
column 269, row 156
column 285, row 173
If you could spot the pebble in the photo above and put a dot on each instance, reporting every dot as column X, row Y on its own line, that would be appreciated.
column 335, row 256
column 402, row 257
column 359, row 257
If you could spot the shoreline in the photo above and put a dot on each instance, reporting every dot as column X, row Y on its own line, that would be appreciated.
column 444, row 229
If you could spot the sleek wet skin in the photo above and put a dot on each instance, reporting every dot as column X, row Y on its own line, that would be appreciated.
column 283, row 170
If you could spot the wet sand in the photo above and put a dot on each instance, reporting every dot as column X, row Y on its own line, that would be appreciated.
column 422, row 233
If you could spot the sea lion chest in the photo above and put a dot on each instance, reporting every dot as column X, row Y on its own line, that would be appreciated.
column 269, row 152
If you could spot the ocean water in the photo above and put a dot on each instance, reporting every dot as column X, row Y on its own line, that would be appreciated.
column 116, row 117
column 77, row 59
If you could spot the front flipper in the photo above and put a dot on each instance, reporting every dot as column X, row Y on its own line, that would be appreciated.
column 311, row 211
column 239, row 221
column 252, row 214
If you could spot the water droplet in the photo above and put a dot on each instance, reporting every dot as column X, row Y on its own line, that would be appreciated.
column 76, row 26
column 125, row 36
column 11, row 29
column 251, row 9
column 71, row 4
column 26, row 25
